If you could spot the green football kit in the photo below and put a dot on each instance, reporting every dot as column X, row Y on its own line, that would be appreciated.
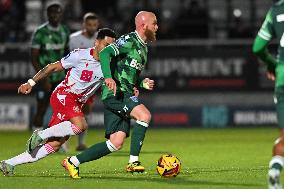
column 51, row 43
column 123, row 61
column 273, row 27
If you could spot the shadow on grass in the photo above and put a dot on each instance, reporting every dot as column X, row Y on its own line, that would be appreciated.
column 126, row 153
column 175, row 181
column 180, row 180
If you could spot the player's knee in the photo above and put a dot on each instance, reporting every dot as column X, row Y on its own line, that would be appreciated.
column 145, row 117
column 56, row 148
column 278, row 148
column 54, row 145
column 114, row 145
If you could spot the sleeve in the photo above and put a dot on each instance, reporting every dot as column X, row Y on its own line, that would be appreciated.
column 261, row 51
column 70, row 60
column 262, row 39
column 36, row 40
column 266, row 31
column 121, row 46
column 105, row 58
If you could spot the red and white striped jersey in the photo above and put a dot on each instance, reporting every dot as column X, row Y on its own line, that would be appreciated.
column 84, row 74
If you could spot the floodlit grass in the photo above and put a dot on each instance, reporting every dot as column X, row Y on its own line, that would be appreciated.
column 211, row 158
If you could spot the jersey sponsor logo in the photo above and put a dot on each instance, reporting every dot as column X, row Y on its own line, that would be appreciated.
column 134, row 98
column 49, row 46
column 61, row 99
column 136, row 65
column 86, row 75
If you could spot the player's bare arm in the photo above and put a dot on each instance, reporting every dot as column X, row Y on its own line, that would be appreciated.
column 35, row 53
column 35, row 56
column 26, row 88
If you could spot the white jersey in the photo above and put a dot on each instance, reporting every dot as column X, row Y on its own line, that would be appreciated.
column 78, row 41
column 84, row 76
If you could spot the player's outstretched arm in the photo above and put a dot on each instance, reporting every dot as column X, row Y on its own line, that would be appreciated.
column 26, row 88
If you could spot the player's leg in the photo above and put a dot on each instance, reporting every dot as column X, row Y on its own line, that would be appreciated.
column 87, row 108
column 277, row 162
column 40, row 152
column 66, row 128
column 129, row 106
column 117, row 129
column 66, row 120
column 142, row 116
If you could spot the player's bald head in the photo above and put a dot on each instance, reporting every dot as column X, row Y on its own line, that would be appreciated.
column 143, row 17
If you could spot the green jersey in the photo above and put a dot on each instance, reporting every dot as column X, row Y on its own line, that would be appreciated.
column 52, row 43
column 272, row 27
column 123, row 61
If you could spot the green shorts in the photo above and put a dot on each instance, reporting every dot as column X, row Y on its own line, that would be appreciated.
column 116, row 113
column 279, row 102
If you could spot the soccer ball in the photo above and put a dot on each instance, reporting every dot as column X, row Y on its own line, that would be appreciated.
column 168, row 165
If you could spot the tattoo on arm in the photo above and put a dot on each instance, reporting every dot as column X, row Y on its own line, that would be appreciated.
column 43, row 73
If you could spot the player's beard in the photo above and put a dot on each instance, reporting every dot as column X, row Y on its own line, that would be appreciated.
column 151, row 36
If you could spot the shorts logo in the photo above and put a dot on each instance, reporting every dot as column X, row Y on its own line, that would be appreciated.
column 134, row 98
column 125, row 108
column 61, row 116
column 61, row 99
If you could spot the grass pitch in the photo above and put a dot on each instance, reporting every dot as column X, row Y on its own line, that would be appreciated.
column 211, row 158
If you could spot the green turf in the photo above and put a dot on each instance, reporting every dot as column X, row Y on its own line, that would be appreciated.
column 211, row 158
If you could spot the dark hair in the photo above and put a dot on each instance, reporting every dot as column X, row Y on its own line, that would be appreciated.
column 53, row 5
column 90, row 15
column 105, row 32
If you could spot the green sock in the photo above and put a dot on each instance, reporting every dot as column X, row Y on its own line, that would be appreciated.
column 137, row 138
column 94, row 152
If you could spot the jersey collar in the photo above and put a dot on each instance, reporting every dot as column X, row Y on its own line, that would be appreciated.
column 50, row 27
column 140, row 39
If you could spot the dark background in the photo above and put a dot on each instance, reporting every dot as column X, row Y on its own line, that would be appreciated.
column 205, row 72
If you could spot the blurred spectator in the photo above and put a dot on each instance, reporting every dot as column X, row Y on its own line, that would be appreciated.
column 106, row 9
column 12, row 20
column 49, row 44
column 192, row 21
column 238, row 29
